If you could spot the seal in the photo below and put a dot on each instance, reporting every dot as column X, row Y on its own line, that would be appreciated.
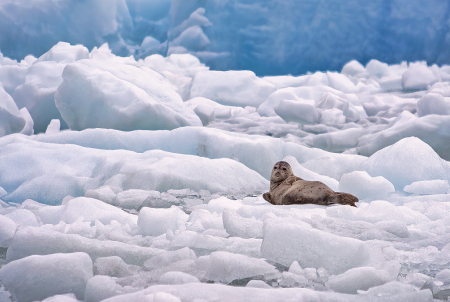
column 286, row 188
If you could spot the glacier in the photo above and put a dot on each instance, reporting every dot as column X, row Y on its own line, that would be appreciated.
column 265, row 36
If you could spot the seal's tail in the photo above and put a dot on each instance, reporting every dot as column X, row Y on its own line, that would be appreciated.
column 346, row 199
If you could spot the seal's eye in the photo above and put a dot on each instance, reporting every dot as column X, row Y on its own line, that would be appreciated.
column 284, row 168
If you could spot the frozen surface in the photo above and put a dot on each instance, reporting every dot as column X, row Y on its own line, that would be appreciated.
column 177, row 214
column 81, row 169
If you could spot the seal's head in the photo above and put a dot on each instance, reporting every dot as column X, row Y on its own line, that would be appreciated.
column 281, row 170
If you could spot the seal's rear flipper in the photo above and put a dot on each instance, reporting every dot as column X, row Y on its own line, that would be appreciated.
column 348, row 199
column 343, row 198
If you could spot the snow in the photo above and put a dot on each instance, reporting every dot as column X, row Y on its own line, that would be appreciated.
column 151, row 170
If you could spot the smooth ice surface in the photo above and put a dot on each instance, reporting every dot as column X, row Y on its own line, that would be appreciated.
column 311, row 247
column 47, row 276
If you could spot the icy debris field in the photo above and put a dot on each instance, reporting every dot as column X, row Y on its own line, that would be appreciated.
column 125, row 180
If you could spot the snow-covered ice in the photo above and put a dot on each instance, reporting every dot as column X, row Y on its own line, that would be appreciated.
column 146, row 175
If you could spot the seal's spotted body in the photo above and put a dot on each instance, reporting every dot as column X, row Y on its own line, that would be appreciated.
column 286, row 188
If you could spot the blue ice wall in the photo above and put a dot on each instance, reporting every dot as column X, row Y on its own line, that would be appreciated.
column 269, row 37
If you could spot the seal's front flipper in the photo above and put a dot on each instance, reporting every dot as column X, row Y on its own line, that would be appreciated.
column 267, row 197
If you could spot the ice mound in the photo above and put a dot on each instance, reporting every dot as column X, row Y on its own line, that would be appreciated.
column 63, row 52
column 47, row 276
column 208, row 110
column 338, row 141
column 359, row 278
column 353, row 68
column 333, row 101
column 40, row 241
column 428, row 187
column 314, row 92
column 23, row 217
column 405, row 162
column 11, row 120
column 433, row 103
column 362, row 185
column 7, row 230
column 112, row 266
column 418, row 77
column 42, row 79
column 299, row 111
column 236, row 88
column 155, row 222
column 219, row 205
column 81, row 169
column 122, row 96
column 226, row 267
column 99, row 288
column 53, row 127
column 286, row 241
column 238, row 226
